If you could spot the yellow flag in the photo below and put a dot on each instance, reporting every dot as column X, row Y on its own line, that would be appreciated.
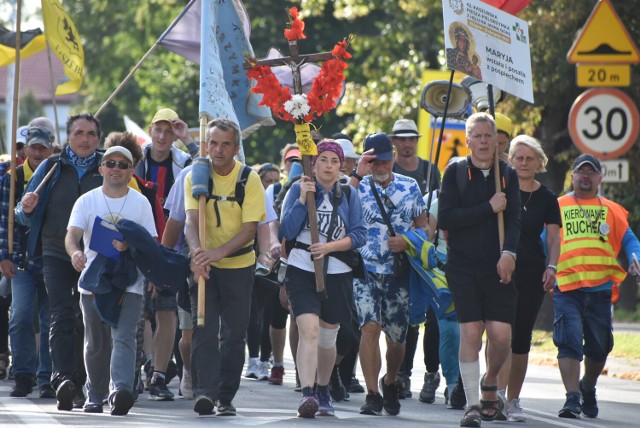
column 31, row 42
column 65, row 42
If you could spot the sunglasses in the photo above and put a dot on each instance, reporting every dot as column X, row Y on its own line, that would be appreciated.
column 387, row 200
column 112, row 164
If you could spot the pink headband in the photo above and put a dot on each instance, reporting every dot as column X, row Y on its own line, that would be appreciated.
column 330, row 146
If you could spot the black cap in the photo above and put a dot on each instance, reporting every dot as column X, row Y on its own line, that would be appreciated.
column 383, row 149
column 38, row 135
column 585, row 158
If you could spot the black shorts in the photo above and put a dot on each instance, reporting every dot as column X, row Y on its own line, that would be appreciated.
column 480, row 296
column 301, row 291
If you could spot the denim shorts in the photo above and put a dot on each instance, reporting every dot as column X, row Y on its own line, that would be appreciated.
column 159, row 303
column 582, row 324
column 383, row 299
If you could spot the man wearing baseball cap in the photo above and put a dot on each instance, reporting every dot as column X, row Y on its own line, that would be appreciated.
column 109, row 348
column 404, row 137
column 382, row 300
column 26, row 277
column 594, row 230
column 161, row 164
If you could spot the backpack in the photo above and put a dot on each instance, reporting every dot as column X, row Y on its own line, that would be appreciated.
column 238, row 194
column 342, row 189
column 462, row 177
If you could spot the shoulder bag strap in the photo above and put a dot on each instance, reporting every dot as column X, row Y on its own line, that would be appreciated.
column 385, row 215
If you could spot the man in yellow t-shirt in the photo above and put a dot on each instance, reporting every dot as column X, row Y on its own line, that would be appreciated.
column 227, row 262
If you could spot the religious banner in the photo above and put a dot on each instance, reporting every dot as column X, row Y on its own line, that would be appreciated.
column 488, row 44
column 224, row 85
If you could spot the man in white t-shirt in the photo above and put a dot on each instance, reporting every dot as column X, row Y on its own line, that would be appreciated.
column 109, row 352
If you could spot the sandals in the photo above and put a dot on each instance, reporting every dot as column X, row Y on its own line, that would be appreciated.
column 491, row 409
column 470, row 420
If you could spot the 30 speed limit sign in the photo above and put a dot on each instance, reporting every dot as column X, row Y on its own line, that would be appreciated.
column 604, row 122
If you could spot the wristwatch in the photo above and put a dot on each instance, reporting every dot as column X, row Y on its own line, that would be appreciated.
column 355, row 175
column 511, row 253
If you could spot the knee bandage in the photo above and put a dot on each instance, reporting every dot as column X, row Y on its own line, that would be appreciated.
column 327, row 337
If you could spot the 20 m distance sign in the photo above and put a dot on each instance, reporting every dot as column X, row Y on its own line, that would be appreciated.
column 604, row 122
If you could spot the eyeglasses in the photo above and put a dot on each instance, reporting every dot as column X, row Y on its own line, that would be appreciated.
column 112, row 164
column 586, row 172
column 387, row 201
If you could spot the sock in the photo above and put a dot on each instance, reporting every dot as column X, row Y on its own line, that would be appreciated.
column 470, row 373
column 588, row 385
column 278, row 363
column 307, row 391
column 324, row 388
column 157, row 374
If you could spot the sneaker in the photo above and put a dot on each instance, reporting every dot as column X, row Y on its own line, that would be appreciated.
column 336, row 388
column 204, row 406
column 514, row 411
column 308, row 406
column 23, row 386
column 405, row 386
column 64, row 394
column 158, row 390
column 354, row 386
column 502, row 406
column 252, row 369
column 186, row 386
column 277, row 373
column 90, row 407
column 79, row 399
column 121, row 402
column 225, row 408
column 589, row 404
column 325, row 405
column 571, row 407
column 390, row 397
column 46, row 391
column 263, row 370
column 429, row 387
column 458, row 399
column 372, row 405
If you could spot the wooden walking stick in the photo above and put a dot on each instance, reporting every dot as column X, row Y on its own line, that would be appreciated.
column 202, row 222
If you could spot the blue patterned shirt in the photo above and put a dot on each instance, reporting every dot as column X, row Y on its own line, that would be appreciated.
column 403, row 202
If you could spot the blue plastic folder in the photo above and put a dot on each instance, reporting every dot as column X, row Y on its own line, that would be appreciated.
column 102, row 236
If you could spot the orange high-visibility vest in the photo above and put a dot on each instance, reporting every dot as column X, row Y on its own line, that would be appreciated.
column 591, row 238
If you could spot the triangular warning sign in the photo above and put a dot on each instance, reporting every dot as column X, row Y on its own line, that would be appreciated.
column 603, row 39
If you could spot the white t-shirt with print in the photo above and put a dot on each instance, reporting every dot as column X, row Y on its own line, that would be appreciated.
column 134, row 206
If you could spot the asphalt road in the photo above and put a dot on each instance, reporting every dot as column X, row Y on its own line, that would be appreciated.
column 261, row 404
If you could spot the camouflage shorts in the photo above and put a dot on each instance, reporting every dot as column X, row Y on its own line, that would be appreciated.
column 383, row 299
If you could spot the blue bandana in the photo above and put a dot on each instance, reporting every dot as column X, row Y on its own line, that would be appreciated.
column 75, row 160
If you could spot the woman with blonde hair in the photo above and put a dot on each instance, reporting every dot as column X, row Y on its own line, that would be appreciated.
column 535, row 272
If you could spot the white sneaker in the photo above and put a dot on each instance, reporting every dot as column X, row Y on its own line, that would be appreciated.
column 263, row 370
column 252, row 368
column 514, row 411
column 186, row 387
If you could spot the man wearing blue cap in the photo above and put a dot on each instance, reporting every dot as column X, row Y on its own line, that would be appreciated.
column 27, row 282
column 594, row 230
column 391, row 205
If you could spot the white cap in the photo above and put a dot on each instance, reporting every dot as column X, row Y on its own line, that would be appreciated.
column 347, row 148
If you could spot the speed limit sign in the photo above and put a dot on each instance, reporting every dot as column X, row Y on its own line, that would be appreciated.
column 604, row 122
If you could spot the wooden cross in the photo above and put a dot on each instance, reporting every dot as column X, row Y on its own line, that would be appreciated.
column 295, row 61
